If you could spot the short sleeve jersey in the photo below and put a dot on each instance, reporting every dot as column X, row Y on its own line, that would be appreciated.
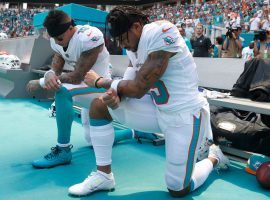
column 85, row 38
column 177, row 88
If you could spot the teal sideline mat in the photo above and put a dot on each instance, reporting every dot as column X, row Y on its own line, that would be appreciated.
column 28, row 133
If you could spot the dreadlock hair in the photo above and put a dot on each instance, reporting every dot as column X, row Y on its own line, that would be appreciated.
column 57, row 22
column 121, row 18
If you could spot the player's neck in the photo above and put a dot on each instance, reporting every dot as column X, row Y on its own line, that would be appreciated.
column 74, row 31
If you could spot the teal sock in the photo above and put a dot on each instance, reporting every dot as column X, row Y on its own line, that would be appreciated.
column 64, row 115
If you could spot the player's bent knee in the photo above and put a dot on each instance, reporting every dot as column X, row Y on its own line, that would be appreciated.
column 96, row 106
column 98, row 109
column 175, row 186
column 180, row 193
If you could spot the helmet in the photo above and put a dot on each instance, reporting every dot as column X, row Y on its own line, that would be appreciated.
column 10, row 62
column 3, row 36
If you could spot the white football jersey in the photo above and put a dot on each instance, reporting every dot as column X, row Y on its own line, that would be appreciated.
column 85, row 38
column 177, row 89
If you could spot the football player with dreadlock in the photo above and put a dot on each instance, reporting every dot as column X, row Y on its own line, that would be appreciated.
column 160, row 64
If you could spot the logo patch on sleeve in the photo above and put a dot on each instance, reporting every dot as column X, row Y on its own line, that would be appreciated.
column 168, row 40
column 83, row 29
column 95, row 38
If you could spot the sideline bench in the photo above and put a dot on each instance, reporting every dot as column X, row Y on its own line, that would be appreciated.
column 223, row 74
column 33, row 52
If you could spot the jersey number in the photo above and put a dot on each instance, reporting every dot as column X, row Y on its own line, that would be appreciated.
column 160, row 93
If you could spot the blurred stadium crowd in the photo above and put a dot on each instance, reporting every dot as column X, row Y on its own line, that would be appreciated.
column 17, row 22
column 251, row 16
column 216, row 13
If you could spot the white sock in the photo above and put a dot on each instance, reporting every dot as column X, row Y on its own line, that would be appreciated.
column 105, row 174
column 86, row 124
column 102, row 138
column 63, row 145
column 201, row 172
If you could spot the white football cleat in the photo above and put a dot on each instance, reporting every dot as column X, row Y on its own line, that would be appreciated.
column 223, row 161
column 96, row 181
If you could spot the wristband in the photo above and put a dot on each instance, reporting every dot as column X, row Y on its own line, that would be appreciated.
column 47, row 72
column 114, row 85
column 42, row 82
column 96, row 86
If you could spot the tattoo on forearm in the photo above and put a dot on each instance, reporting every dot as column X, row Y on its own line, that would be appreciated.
column 70, row 77
column 83, row 65
column 151, row 71
column 58, row 64
column 153, row 68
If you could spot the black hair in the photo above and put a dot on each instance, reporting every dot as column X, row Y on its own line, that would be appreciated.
column 55, row 17
column 57, row 22
column 121, row 18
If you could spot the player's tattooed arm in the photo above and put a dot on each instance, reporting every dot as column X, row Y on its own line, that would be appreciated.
column 84, row 64
column 151, row 71
column 57, row 64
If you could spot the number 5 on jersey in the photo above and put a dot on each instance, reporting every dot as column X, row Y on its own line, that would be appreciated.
column 160, row 93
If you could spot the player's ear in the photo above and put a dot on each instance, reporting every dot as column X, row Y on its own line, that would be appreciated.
column 137, row 26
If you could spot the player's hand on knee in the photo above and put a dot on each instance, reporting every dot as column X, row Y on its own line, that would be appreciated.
column 111, row 99
column 90, row 78
column 33, row 85
column 52, row 82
